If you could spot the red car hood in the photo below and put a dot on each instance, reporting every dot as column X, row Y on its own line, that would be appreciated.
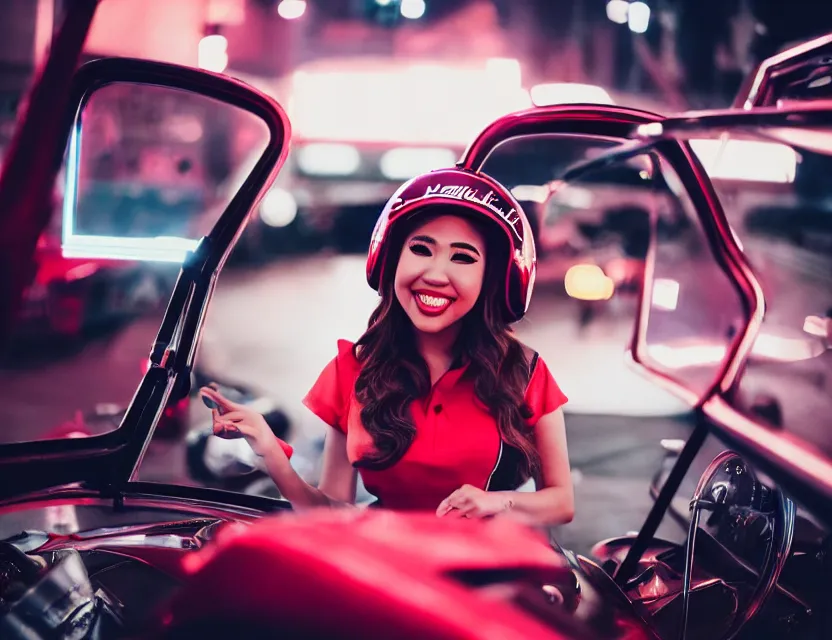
column 360, row 573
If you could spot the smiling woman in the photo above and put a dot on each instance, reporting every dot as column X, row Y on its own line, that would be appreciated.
column 440, row 274
column 437, row 405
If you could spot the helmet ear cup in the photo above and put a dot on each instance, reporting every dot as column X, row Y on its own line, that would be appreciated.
column 467, row 193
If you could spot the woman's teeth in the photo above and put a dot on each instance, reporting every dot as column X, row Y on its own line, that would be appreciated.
column 431, row 301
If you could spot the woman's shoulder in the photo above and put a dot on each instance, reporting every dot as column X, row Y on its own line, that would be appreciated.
column 543, row 394
column 345, row 358
column 346, row 350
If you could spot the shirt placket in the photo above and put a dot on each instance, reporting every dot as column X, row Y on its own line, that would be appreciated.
column 434, row 405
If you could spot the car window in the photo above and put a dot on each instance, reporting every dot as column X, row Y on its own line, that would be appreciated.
column 694, row 311
column 785, row 228
column 156, row 168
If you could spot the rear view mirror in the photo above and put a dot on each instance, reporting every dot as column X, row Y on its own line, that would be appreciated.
column 151, row 168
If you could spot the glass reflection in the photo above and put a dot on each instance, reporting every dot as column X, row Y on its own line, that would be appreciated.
column 785, row 229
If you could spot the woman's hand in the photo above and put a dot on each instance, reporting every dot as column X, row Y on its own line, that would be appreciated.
column 470, row 502
column 234, row 420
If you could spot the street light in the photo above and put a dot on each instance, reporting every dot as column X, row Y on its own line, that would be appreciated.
column 617, row 11
column 413, row 9
column 638, row 17
column 291, row 9
column 212, row 53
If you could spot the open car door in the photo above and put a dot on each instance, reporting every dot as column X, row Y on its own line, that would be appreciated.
column 105, row 100
column 680, row 205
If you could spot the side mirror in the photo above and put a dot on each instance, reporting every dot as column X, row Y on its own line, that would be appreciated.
column 154, row 159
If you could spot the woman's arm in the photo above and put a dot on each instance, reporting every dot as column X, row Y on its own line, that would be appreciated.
column 338, row 477
column 554, row 502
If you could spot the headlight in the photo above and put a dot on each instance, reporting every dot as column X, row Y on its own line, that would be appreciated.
column 323, row 159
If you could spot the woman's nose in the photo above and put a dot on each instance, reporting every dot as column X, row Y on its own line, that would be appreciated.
column 436, row 276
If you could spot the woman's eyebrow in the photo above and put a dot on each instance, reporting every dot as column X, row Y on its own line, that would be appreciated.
column 466, row 246
column 425, row 239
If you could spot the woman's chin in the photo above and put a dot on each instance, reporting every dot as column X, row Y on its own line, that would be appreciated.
column 427, row 324
column 433, row 326
column 430, row 326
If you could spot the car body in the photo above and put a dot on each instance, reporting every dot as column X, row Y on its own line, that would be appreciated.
column 69, row 297
column 117, row 556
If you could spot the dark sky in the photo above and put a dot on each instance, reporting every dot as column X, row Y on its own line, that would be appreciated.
column 795, row 19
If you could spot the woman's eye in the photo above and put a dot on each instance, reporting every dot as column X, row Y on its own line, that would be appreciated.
column 465, row 258
column 420, row 249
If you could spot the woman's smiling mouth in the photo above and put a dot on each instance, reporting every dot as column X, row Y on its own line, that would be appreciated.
column 431, row 303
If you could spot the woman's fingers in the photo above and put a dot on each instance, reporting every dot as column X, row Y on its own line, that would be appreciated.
column 470, row 510
column 226, row 430
column 444, row 506
column 453, row 501
column 233, row 416
column 218, row 398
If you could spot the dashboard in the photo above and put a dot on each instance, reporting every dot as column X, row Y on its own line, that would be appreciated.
column 754, row 548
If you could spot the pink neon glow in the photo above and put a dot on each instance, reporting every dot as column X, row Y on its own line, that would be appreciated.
column 391, row 102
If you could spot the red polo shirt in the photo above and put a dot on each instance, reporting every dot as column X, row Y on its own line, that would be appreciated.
column 456, row 443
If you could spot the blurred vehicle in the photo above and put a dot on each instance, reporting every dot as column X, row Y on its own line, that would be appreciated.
column 601, row 219
column 71, row 297
column 362, row 126
column 143, row 559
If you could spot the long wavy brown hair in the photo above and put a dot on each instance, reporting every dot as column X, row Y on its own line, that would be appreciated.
column 394, row 374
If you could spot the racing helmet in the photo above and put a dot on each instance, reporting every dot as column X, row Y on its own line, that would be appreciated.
column 474, row 194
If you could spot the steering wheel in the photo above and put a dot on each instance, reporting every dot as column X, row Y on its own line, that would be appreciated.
column 728, row 489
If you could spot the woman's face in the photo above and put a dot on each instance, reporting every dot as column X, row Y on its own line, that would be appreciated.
column 440, row 273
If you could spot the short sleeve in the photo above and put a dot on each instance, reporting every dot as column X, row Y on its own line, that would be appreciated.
column 543, row 395
column 329, row 398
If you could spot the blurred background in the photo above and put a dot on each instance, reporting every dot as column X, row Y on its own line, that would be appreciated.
column 379, row 91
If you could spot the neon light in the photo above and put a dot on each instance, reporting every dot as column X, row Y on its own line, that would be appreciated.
column 291, row 9
column 159, row 249
column 71, row 184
